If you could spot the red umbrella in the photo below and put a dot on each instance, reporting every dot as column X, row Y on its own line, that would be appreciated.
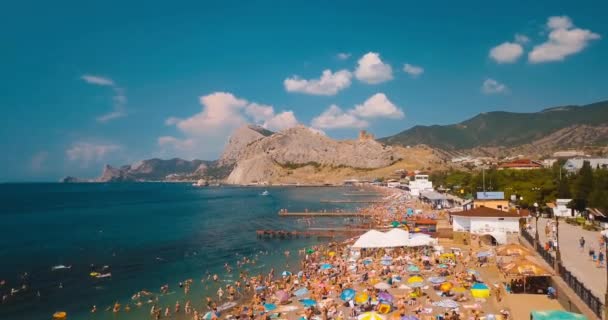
column 282, row 296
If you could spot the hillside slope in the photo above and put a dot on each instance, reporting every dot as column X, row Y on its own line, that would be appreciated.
column 503, row 129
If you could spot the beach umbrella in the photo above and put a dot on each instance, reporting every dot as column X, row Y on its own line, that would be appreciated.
column 367, row 262
column 386, row 262
column 384, row 308
column 210, row 315
column 361, row 298
column 385, row 296
column 436, row 280
column 300, row 292
column 269, row 306
column 415, row 279
column 446, row 287
column 416, row 284
column 310, row 251
column 483, row 254
column 308, row 302
column 326, row 266
column 395, row 224
column 396, row 278
column 382, row 286
column 331, row 254
column 472, row 272
column 459, row 289
column 443, row 266
column 413, row 268
column 347, row 294
column 260, row 288
column 446, row 303
column 286, row 273
column 282, row 295
column 556, row 315
column 409, row 318
column 370, row 316
column 525, row 267
column 480, row 290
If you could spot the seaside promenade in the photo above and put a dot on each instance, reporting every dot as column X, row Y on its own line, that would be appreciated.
column 576, row 261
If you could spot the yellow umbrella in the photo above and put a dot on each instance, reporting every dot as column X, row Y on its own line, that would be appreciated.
column 370, row 316
column 361, row 297
column 444, row 256
column 446, row 287
column 60, row 315
column 331, row 254
column 384, row 308
column 415, row 279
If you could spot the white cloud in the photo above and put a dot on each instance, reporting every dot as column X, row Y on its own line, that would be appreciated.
column 97, row 80
column 327, row 85
column 281, row 121
column 343, row 55
column 38, row 160
column 521, row 38
column 491, row 86
column 119, row 99
column 372, row 70
column 413, row 70
column 564, row 40
column 335, row 118
column 507, row 52
column 378, row 106
column 205, row 133
column 87, row 152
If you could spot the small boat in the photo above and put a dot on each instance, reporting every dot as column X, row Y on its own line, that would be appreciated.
column 265, row 193
column 60, row 267
column 103, row 275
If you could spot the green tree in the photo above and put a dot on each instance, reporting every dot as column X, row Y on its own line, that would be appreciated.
column 584, row 182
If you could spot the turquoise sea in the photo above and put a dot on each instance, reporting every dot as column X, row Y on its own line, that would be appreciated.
column 149, row 234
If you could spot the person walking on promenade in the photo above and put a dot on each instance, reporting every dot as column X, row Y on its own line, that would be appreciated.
column 581, row 242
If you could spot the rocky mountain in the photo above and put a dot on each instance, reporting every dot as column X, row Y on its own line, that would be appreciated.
column 239, row 140
column 267, row 158
column 156, row 170
column 509, row 129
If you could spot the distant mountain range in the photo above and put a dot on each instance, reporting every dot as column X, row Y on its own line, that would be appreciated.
column 510, row 129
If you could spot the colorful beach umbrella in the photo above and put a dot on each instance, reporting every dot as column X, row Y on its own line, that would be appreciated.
column 210, row 315
column 269, row 306
column 446, row 287
column 310, row 251
column 382, row 286
column 347, row 294
column 446, row 303
column 556, row 315
column 409, row 318
column 395, row 224
column 331, row 254
column 413, row 268
column 370, row 316
column 361, row 298
column 326, row 266
column 480, row 291
column 415, row 279
column 436, row 280
column 286, row 273
column 308, row 302
column 483, row 254
column 384, row 308
column 300, row 292
column 282, row 296
column 385, row 296
column 443, row 266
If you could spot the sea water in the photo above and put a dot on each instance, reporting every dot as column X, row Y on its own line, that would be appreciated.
column 148, row 234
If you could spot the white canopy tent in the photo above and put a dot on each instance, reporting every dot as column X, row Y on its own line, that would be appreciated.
column 392, row 239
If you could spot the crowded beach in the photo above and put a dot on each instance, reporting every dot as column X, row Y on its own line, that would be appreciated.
column 392, row 271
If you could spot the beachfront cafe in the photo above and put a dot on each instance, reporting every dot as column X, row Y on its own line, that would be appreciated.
column 435, row 199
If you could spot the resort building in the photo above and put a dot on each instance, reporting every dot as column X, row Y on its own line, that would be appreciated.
column 420, row 183
column 486, row 225
column 493, row 200
column 574, row 165
column 560, row 208
column 520, row 164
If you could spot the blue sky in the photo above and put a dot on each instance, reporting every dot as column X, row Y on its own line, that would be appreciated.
column 89, row 83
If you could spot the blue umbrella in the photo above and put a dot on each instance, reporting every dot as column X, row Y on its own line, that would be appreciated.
column 413, row 268
column 483, row 254
column 326, row 266
column 347, row 294
column 269, row 306
column 209, row 315
column 409, row 318
column 386, row 262
column 259, row 288
column 308, row 302
column 367, row 262
column 479, row 286
column 436, row 280
column 443, row 266
column 446, row 303
column 300, row 292
column 286, row 273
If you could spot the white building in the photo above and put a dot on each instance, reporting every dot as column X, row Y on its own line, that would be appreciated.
column 420, row 183
column 560, row 208
column 488, row 222
column 574, row 165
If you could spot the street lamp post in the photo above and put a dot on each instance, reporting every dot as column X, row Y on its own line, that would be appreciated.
column 536, row 216
column 557, row 252
column 606, row 296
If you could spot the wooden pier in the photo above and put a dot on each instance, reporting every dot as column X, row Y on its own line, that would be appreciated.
column 318, row 232
column 352, row 201
column 321, row 214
